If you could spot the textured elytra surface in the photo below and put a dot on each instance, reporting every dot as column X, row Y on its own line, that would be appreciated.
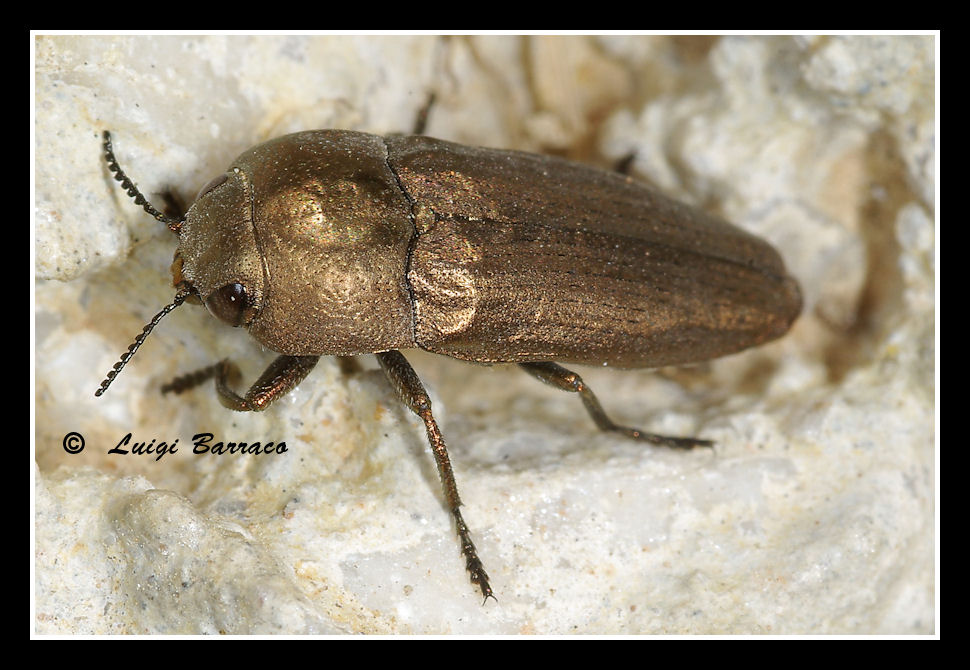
column 533, row 259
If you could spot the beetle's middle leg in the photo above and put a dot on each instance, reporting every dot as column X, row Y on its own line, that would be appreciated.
column 561, row 378
column 281, row 377
column 411, row 392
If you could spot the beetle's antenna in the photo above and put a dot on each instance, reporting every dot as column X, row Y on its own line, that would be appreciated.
column 119, row 175
column 125, row 357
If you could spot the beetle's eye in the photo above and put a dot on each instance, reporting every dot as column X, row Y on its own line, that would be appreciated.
column 211, row 186
column 230, row 304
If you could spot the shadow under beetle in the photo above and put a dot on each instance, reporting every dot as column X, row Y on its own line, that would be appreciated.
column 333, row 242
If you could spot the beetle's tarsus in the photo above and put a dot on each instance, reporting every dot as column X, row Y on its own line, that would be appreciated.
column 665, row 440
column 192, row 379
column 473, row 564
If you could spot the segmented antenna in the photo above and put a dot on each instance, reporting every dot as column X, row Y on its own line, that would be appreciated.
column 125, row 357
column 132, row 190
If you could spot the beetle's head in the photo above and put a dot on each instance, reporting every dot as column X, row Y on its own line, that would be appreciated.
column 216, row 263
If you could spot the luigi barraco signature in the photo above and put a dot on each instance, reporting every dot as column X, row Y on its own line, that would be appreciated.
column 201, row 444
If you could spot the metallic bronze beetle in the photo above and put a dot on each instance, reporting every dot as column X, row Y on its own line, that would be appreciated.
column 334, row 242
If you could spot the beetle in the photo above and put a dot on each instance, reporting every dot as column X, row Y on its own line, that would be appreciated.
column 335, row 242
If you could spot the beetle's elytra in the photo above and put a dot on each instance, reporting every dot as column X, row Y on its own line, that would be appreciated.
column 334, row 242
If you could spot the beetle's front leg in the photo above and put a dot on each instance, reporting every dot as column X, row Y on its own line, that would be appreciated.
column 281, row 377
column 411, row 392
column 561, row 378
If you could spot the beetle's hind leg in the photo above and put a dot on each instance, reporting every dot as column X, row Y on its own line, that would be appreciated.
column 561, row 378
column 411, row 392
column 281, row 377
